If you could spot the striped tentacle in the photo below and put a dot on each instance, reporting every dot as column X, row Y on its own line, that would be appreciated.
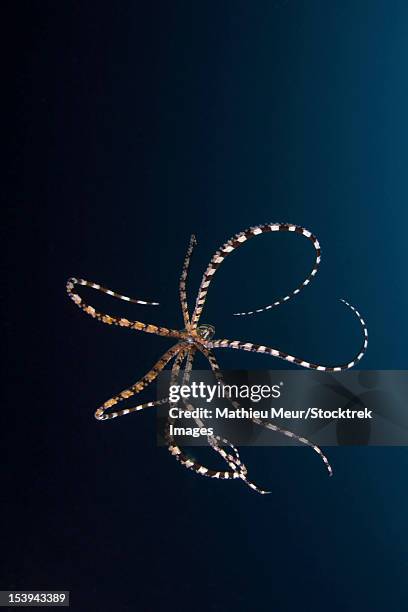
column 110, row 319
column 238, row 240
column 175, row 370
column 217, row 372
column 293, row 436
column 141, row 384
column 119, row 296
column 176, row 451
column 233, row 460
column 216, row 442
column 259, row 348
column 183, row 278
column 284, row 227
column 196, row 467
column 238, row 469
column 104, row 416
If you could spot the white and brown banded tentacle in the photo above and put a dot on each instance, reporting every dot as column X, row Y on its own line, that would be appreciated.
column 266, row 350
column 185, row 381
column 175, row 370
column 119, row 296
column 183, row 279
column 217, row 372
column 215, row 441
column 189, row 364
column 293, row 436
column 283, row 227
column 112, row 320
column 233, row 461
column 237, row 460
column 179, row 454
column 238, row 240
column 364, row 345
column 104, row 416
column 101, row 413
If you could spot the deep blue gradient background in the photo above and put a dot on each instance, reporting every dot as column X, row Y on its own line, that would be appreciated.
column 136, row 125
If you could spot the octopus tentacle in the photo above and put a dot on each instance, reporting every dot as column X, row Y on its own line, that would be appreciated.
column 183, row 279
column 301, row 439
column 266, row 350
column 112, row 320
column 238, row 469
column 237, row 241
column 101, row 413
column 217, row 372
column 177, row 452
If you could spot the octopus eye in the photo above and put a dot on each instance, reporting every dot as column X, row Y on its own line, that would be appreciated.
column 206, row 331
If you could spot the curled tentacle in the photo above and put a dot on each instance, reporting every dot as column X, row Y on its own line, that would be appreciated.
column 237, row 241
column 216, row 442
column 238, row 470
column 266, row 350
column 235, row 462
